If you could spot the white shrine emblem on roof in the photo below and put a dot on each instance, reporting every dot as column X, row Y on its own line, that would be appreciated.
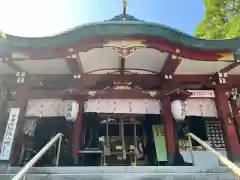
column 125, row 48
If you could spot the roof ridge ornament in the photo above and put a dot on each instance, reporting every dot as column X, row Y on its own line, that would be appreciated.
column 124, row 2
column 124, row 16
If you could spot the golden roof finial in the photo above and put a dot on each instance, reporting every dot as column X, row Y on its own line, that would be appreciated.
column 124, row 6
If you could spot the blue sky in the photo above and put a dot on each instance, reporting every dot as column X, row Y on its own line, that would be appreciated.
column 48, row 17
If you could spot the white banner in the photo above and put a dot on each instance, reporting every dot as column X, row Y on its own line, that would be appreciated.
column 202, row 93
column 9, row 134
column 130, row 106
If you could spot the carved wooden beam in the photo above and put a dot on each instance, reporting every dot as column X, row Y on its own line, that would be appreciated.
column 230, row 66
column 75, row 64
column 94, row 81
column 221, row 77
column 170, row 66
column 12, row 65
column 20, row 73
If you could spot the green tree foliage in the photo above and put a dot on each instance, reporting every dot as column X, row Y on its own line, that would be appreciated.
column 221, row 20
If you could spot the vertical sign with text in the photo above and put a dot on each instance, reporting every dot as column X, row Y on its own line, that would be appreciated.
column 160, row 142
column 7, row 143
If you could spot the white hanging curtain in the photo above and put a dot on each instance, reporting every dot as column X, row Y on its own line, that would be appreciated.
column 130, row 106
column 47, row 107
column 56, row 107
column 204, row 107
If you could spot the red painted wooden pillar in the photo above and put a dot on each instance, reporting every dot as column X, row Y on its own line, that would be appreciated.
column 77, row 133
column 230, row 136
column 236, row 115
column 169, row 124
column 169, row 128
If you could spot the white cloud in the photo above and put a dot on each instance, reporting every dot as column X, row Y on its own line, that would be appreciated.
column 35, row 17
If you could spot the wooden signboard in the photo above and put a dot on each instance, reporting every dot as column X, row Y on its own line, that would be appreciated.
column 9, row 134
column 202, row 93
column 160, row 142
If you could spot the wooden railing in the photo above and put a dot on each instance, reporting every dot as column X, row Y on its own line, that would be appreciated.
column 223, row 159
column 33, row 161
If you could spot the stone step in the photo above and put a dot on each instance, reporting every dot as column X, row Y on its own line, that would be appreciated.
column 125, row 176
column 121, row 173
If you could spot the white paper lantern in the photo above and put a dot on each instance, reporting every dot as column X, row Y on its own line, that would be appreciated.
column 72, row 111
column 178, row 108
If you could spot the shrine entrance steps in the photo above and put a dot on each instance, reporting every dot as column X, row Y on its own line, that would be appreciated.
column 121, row 173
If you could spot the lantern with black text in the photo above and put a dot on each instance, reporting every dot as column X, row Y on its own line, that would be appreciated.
column 72, row 111
column 178, row 108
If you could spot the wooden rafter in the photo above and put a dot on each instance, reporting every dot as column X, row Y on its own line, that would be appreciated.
column 12, row 65
column 170, row 65
column 81, row 69
column 75, row 65
column 230, row 67
column 221, row 77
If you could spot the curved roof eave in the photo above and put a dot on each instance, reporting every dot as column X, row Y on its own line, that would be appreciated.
column 123, row 28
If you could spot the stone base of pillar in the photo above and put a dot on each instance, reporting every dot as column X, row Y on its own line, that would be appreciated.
column 230, row 135
column 171, row 158
column 75, row 160
column 235, row 157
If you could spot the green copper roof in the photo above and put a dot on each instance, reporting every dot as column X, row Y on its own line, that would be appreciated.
column 118, row 27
